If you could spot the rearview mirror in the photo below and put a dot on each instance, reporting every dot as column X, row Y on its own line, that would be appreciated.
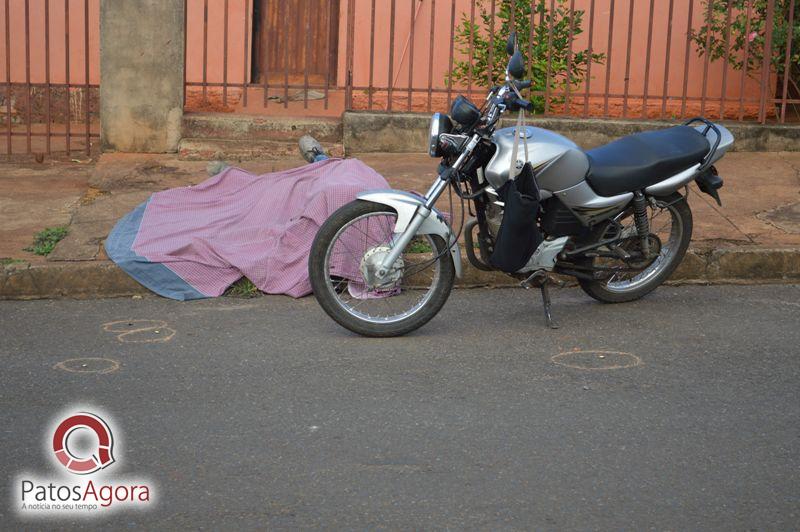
column 516, row 65
column 511, row 43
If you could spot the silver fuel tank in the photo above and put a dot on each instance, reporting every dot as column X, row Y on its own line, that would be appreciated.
column 559, row 162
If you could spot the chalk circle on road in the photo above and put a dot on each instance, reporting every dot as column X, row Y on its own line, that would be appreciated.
column 88, row 365
column 596, row 360
column 139, row 331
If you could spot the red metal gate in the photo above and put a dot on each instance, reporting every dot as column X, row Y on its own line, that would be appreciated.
column 731, row 59
column 51, row 76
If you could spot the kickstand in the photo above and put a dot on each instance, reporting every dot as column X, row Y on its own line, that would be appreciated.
column 542, row 279
column 547, row 307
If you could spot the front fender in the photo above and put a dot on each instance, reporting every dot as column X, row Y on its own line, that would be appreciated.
column 406, row 205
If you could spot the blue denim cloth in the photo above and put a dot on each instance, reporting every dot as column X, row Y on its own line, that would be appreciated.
column 154, row 275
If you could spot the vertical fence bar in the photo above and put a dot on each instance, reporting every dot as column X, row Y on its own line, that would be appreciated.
column 787, row 64
column 531, row 23
column 647, row 59
column 430, row 54
column 746, row 58
column 205, row 51
column 286, row 29
column 590, row 51
column 264, row 42
column 608, row 56
column 491, row 44
column 412, row 20
column 225, row 54
column 471, row 51
column 765, row 68
column 66, row 75
column 185, row 40
column 686, row 58
column 551, row 16
column 450, row 63
column 306, row 59
column 707, row 59
column 244, row 52
column 371, row 55
column 351, row 13
column 665, row 89
column 391, row 57
column 28, row 74
column 628, row 60
column 569, row 55
column 328, row 57
column 725, row 59
column 8, row 83
column 87, row 98
column 47, row 72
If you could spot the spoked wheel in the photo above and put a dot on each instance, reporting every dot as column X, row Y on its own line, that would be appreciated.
column 345, row 256
column 630, row 278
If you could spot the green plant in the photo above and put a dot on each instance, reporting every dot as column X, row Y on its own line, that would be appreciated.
column 419, row 246
column 5, row 261
column 549, row 60
column 243, row 288
column 748, row 29
column 45, row 240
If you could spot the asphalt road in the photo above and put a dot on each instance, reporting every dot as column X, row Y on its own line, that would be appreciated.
column 264, row 413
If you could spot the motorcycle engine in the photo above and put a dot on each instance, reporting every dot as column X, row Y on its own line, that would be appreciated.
column 494, row 217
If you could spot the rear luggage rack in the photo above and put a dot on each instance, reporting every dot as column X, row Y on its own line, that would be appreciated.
column 709, row 127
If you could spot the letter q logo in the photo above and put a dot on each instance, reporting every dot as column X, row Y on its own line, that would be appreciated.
column 100, row 458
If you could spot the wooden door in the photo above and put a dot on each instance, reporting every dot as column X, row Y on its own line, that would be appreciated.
column 295, row 37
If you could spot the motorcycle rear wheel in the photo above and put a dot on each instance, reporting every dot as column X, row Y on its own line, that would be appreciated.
column 674, row 241
column 424, row 298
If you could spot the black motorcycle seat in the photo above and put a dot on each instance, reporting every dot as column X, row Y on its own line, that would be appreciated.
column 640, row 160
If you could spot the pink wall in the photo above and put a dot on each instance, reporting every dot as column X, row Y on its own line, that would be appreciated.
column 638, row 56
column 442, row 24
column 77, row 49
column 406, row 11
column 216, row 31
column 421, row 15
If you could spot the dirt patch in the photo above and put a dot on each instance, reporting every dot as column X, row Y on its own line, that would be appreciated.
column 786, row 218
column 91, row 195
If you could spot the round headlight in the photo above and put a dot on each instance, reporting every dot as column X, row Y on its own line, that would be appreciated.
column 440, row 123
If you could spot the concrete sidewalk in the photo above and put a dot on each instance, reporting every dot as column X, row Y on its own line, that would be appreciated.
column 754, row 237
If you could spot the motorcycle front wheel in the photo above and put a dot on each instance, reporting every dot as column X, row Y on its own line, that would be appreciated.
column 344, row 256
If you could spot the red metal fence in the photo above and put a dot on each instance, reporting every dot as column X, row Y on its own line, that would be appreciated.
column 50, row 76
column 732, row 59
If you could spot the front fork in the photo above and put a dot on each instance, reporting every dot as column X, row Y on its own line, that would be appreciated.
column 423, row 211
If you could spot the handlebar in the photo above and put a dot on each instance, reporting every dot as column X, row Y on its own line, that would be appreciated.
column 515, row 103
column 504, row 97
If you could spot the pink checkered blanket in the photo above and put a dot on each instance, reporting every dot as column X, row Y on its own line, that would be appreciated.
column 259, row 226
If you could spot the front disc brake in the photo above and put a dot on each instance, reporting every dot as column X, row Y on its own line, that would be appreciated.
column 370, row 263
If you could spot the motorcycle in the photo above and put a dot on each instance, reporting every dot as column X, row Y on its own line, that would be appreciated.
column 613, row 217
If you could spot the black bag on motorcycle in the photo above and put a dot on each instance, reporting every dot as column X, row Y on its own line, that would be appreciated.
column 519, row 234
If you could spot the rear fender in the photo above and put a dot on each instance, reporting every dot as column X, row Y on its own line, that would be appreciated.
column 406, row 205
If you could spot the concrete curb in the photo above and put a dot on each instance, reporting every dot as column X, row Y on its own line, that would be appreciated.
column 369, row 131
column 83, row 280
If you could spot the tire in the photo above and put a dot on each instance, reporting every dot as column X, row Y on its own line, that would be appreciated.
column 328, row 300
column 599, row 289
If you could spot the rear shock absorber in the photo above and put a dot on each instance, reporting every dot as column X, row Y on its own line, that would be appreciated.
column 641, row 221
